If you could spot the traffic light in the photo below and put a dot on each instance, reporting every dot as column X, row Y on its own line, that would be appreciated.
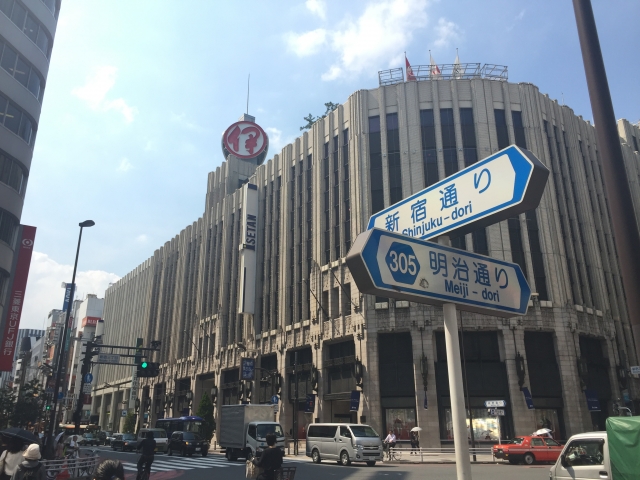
column 48, row 407
column 148, row 369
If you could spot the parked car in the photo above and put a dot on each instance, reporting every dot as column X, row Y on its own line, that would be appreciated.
column 88, row 439
column 110, row 437
column 528, row 449
column 159, row 435
column 187, row 443
column 124, row 442
column 343, row 442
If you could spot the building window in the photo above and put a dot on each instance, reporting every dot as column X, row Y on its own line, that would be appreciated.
column 393, row 150
column 336, row 198
column 346, row 299
column 468, row 136
column 635, row 143
column 518, row 129
column 515, row 239
column 536, row 255
column 501, row 129
column 27, row 23
column 51, row 5
column 327, row 204
column 8, row 227
column 429, row 153
column 15, row 120
column 375, row 165
column 459, row 242
column 480, row 244
column 448, row 142
column 346, row 198
column 11, row 173
column 18, row 68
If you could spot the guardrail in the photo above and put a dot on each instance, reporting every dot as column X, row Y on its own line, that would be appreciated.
column 68, row 468
column 435, row 455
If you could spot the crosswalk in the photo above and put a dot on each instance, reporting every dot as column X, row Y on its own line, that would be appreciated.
column 190, row 463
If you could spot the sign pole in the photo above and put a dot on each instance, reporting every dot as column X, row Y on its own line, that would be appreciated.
column 456, row 392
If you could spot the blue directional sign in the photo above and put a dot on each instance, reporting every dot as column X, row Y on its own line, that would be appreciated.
column 248, row 368
column 503, row 185
column 393, row 265
column 88, row 378
column 275, row 399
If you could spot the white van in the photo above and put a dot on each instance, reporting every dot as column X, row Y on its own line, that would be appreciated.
column 584, row 457
column 344, row 442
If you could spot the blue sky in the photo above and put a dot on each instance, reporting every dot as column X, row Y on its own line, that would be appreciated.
column 139, row 93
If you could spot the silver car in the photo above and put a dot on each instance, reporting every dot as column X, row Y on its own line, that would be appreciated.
column 345, row 442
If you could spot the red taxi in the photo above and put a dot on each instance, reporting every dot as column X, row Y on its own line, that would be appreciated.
column 528, row 449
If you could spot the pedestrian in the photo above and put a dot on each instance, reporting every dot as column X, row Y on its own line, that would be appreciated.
column 109, row 470
column 11, row 458
column 73, row 448
column 31, row 468
column 415, row 442
column 270, row 460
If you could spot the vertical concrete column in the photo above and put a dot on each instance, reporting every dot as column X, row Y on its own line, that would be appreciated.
column 103, row 413
column 523, row 418
column 318, row 360
column 113, row 418
column 426, row 419
column 372, row 377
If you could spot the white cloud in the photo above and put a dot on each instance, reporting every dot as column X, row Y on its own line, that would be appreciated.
column 317, row 7
column 307, row 43
column 44, row 292
column 276, row 140
column 181, row 120
column 378, row 36
column 516, row 19
column 125, row 165
column 94, row 93
column 447, row 32
column 142, row 238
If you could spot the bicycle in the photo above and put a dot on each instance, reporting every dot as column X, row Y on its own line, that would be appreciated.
column 391, row 454
column 87, row 465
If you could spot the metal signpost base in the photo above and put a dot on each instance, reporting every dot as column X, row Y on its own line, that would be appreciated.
column 454, row 369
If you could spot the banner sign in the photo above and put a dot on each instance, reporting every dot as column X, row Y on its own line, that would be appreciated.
column 247, row 297
column 355, row 401
column 90, row 321
column 310, row 403
column 528, row 398
column 68, row 295
column 15, row 302
column 593, row 404
column 248, row 369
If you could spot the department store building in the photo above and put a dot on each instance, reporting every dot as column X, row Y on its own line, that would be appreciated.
column 315, row 196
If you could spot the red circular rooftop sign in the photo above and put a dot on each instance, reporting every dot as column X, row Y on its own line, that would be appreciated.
column 245, row 139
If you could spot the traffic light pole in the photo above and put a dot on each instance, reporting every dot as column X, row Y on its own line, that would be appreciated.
column 86, row 367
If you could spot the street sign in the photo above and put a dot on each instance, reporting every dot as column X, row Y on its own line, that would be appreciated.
column 495, row 403
column 393, row 265
column 635, row 370
column 275, row 399
column 88, row 378
column 86, row 388
column 60, row 395
column 124, row 413
column 496, row 412
column 499, row 187
column 108, row 358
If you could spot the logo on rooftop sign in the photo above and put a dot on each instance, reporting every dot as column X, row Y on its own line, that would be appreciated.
column 245, row 139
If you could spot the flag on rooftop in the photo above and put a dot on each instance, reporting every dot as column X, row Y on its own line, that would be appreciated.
column 435, row 71
column 410, row 76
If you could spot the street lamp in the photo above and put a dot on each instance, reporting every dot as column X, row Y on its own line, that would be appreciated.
column 61, row 343
column 189, row 397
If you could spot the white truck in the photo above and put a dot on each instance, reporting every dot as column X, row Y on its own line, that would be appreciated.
column 244, row 428
column 610, row 455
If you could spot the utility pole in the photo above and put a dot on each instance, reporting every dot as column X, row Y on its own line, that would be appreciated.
column 86, row 369
column 623, row 219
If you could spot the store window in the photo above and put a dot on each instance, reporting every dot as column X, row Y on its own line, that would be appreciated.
column 485, row 427
column 400, row 421
column 548, row 418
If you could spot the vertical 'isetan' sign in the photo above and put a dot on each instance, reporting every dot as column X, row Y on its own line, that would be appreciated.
column 13, row 308
column 247, row 297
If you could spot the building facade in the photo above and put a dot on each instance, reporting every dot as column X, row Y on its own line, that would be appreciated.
column 315, row 196
column 27, row 30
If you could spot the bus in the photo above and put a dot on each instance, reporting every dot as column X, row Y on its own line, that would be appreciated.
column 181, row 424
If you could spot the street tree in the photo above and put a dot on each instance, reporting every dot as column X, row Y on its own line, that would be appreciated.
column 205, row 411
column 7, row 404
column 129, row 423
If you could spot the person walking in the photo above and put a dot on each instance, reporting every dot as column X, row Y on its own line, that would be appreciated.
column 31, row 468
column 11, row 458
column 415, row 442
column 270, row 460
